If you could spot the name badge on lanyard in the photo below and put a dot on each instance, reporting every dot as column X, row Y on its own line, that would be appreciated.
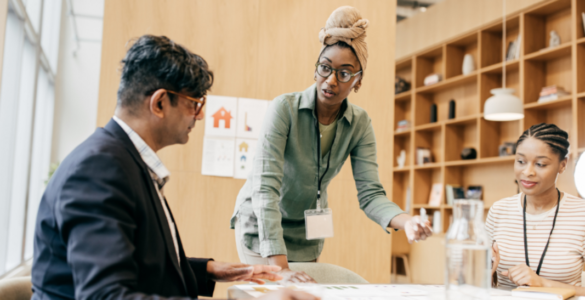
column 319, row 221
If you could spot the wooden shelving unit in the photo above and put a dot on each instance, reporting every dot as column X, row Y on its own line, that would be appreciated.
column 538, row 66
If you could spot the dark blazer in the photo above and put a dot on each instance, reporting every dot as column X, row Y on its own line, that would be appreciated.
column 101, row 232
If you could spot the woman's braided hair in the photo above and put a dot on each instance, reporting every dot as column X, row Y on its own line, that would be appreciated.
column 552, row 135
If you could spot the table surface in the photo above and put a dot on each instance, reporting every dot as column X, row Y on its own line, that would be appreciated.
column 434, row 292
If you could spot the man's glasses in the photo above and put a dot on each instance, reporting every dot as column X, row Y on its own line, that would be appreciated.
column 342, row 74
column 199, row 102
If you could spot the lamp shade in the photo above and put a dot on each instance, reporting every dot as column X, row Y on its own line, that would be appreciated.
column 503, row 106
column 580, row 175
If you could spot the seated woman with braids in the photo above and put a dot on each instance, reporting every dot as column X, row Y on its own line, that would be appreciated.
column 538, row 235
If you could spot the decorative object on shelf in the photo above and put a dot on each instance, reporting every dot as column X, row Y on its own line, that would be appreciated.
column 401, row 85
column 453, row 192
column 474, row 192
column 423, row 156
column 580, row 174
column 436, row 194
column 401, row 160
column 451, row 109
column 514, row 49
column 468, row 153
column 468, row 64
column 503, row 105
column 555, row 39
column 433, row 113
column 507, row 149
column 437, row 222
column 433, row 78
column 551, row 93
column 403, row 125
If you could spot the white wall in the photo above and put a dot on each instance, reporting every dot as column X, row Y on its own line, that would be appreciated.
column 76, row 87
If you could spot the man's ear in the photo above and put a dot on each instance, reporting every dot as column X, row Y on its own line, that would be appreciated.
column 157, row 101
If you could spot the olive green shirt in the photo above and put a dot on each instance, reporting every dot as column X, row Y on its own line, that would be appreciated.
column 283, row 181
column 327, row 135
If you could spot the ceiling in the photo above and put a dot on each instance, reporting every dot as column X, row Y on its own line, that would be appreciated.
column 408, row 8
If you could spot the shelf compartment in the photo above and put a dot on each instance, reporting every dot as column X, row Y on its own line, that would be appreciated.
column 497, row 180
column 404, row 96
column 402, row 170
column 401, row 184
column 481, row 161
column 428, row 166
column 550, row 53
column 580, row 68
column 539, row 74
column 456, row 51
column 431, row 139
column 561, row 116
column 581, row 122
column 561, row 102
column 402, row 132
column 544, row 18
column 493, row 79
column 404, row 70
column 402, row 142
column 402, row 111
column 428, row 63
column 491, row 41
column 511, row 66
column 458, row 136
column 494, row 134
column 423, row 183
column 449, row 83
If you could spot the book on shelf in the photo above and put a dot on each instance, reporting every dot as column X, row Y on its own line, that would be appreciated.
column 453, row 192
column 551, row 93
column 423, row 156
column 403, row 125
column 436, row 194
column 513, row 49
column 543, row 293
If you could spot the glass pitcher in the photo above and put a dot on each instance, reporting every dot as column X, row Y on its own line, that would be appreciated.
column 468, row 251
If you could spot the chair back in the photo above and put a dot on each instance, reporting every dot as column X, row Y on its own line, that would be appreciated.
column 18, row 288
column 328, row 274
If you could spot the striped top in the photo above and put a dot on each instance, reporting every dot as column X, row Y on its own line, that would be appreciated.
column 564, row 258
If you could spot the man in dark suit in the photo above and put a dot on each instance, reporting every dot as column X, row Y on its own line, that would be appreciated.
column 104, row 229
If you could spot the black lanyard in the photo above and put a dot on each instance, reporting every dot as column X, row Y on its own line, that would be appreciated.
column 548, row 241
column 319, row 161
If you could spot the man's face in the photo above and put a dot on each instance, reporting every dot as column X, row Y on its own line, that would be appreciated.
column 180, row 120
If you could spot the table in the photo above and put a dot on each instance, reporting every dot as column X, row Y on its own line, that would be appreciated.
column 374, row 291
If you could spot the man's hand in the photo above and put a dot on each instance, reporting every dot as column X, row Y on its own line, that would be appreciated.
column 495, row 257
column 288, row 294
column 523, row 275
column 417, row 230
column 290, row 276
column 222, row 272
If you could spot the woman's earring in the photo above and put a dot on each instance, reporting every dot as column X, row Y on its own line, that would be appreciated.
column 355, row 90
column 315, row 78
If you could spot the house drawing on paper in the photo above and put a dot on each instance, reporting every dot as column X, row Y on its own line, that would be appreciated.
column 248, row 128
column 243, row 158
column 222, row 114
column 243, row 147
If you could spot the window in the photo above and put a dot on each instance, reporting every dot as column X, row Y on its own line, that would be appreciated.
column 27, row 97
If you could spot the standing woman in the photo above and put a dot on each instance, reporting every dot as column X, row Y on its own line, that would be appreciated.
column 538, row 235
column 306, row 138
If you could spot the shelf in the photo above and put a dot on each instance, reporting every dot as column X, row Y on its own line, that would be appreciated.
column 404, row 96
column 429, row 127
column 480, row 161
column 550, row 53
column 496, row 69
column 402, row 132
column 425, row 206
column 581, row 41
column 580, row 95
column 449, row 83
column 561, row 102
column 462, row 120
column 428, row 166
column 401, row 170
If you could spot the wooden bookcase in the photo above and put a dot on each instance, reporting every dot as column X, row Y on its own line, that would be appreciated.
column 537, row 66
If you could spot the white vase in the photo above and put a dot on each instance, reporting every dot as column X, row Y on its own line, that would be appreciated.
column 468, row 64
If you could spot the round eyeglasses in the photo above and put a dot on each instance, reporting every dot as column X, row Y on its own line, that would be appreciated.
column 342, row 75
column 198, row 102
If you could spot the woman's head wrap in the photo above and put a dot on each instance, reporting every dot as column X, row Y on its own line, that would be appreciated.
column 346, row 25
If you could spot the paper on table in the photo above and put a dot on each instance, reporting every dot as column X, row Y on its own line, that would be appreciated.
column 250, row 117
column 218, row 157
column 386, row 292
column 244, row 157
column 221, row 116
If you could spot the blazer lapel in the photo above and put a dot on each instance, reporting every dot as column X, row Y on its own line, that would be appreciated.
column 163, row 223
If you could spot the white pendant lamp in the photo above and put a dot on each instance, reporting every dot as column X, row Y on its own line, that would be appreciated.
column 580, row 175
column 503, row 105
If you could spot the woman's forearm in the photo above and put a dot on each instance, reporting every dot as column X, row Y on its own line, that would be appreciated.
column 279, row 260
column 580, row 291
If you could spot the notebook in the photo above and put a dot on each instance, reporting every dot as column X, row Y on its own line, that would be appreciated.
column 543, row 293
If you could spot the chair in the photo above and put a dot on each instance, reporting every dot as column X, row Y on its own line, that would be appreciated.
column 328, row 274
column 18, row 288
column 400, row 249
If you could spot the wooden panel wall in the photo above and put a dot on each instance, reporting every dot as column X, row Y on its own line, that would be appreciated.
column 259, row 49
column 449, row 19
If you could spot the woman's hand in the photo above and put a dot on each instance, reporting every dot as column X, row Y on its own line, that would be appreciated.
column 222, row 272
column 495, row 257
column 523, row 275
column 414, row 228
column 290, row 276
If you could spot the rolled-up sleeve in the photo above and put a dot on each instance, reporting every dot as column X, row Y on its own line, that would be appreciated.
column 371, row 194
column 267, row 178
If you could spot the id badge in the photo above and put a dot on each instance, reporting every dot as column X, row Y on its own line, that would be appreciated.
column 319, row 223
